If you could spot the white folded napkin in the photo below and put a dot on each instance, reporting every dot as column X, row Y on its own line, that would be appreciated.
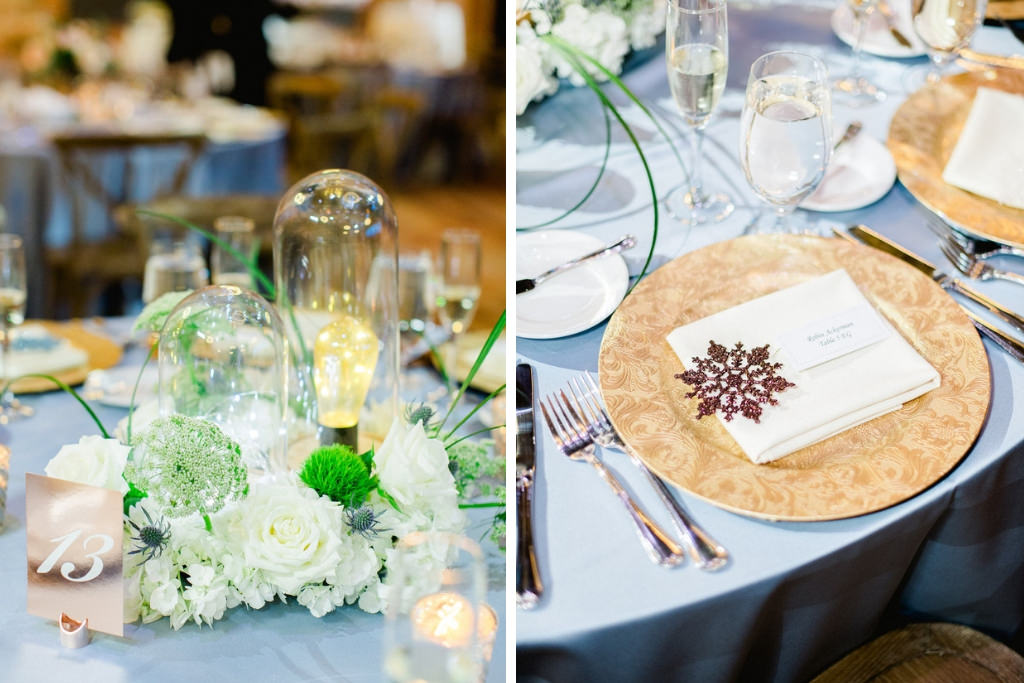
column 62, row 356
column 829, row 397
column 989, row 156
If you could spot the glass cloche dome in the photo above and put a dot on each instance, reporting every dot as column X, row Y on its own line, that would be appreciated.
column 336, row 274
column 222, row 358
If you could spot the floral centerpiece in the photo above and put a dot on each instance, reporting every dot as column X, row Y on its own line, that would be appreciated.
column 203, row 534
column 605, row 30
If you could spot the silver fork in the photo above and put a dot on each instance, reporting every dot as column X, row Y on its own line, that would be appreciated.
column 981, row 249
column 574, row 441
column 704, row 550
column 974, row 268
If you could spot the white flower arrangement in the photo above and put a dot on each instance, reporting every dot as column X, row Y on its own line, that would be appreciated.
column 605, row 30
column 282, row 540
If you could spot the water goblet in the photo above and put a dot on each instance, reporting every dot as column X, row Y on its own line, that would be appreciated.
column 945, row 27
column 785, row 132
column 175, row 264
column 13, row 290
column 697, row 55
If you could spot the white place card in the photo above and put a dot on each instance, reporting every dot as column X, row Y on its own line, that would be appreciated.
column 74, row 535
column 832, row 336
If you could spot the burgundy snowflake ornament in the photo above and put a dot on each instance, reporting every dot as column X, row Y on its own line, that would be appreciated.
column 734, row 381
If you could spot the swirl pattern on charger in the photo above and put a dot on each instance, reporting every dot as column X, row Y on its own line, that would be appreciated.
column 864, row 469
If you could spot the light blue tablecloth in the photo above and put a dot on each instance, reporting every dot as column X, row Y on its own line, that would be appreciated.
column 276, row 643
column 796, row 596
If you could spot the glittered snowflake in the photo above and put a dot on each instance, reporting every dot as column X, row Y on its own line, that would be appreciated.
column 730, row 381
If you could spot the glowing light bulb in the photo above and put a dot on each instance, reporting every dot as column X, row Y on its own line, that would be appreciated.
column 344, row 357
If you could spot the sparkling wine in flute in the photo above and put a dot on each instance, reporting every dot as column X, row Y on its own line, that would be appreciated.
column 456, row 305
column 697, row 78
column 786, row 140
column 12, row 306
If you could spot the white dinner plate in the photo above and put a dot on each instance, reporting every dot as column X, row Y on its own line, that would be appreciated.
column 113, row 387
column 878, row 40
column 861, row 172
column 574, row 300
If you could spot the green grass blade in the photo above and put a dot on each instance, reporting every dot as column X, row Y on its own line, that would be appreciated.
column 470, row 436
column 473, row 412
column 492, row 338
column 68, row 390
column 597, row 180
column 135, row 389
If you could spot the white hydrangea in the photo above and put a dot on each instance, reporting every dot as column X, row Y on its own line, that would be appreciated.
column 646, row 24
column 599, row 34
column 534, row 80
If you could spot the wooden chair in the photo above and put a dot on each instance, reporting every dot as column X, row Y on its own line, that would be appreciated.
column 932, row 653
column 89, row 266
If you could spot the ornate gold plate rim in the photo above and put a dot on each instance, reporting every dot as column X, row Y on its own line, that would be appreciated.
column 868, row 468
column 922, row 135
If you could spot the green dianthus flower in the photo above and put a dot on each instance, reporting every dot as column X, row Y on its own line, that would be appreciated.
column 341, row 475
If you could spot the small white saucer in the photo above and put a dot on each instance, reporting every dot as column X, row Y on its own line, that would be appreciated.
column 878, row 40
column 574, row 300
column 861, row 172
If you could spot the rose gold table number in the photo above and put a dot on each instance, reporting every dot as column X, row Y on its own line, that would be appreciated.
column 75, row 574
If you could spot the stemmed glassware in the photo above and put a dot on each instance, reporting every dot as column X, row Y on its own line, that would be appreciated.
column 458, row 287
column 697, row 55
column 945, row 27
column 174, row 265
column 785, row 132
column 225, row 267
column 13, row 290
column 855, row 89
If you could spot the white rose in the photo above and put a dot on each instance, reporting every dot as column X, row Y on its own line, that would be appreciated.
column 414, row 468
column 599, row 34
column 533, row 81
column 93, row 460
column 290, row 533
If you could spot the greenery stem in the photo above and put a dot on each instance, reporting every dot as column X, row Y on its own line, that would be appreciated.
column 467, row 506
column 492, row 338
column 135, row 389
column 67, row 389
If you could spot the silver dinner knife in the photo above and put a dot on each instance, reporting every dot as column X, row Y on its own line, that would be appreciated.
column 873, row 239
column 529, row 587
column 1002, row 340
column 529, row 283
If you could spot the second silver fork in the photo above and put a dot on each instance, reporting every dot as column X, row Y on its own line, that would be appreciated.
column 704, row 550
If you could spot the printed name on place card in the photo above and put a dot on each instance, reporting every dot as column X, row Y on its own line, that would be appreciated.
column 832, row 336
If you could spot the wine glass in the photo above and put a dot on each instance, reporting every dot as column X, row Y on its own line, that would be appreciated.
column 854, row 89
column 785, row 132
column 697, row 55
column 438, row 627
column 945, row 27
column 458, row 287
column 226, row 268
column 13, row 290
column 175, row 264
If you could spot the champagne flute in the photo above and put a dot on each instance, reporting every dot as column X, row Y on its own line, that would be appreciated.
column 458, row 288
column 697, row 55
column 225, row 267
column 854, row 89
column 945, row 27
column 785, row 132
column 13, row 290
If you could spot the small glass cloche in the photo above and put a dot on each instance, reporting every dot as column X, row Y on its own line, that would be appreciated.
column 222, row 358
column 336, row 274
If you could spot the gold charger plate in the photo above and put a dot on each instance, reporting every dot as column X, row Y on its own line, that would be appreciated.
column 922, row 135
column 1005, row 9
column 103, row 353
column 867, row 468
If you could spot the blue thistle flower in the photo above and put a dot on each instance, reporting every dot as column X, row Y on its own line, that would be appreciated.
column 363, row 520
column 152, row 537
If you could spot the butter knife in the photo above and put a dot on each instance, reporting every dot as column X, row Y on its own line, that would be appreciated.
column 1002, row 340
column 873, row 239
column 529, row 586
column 529, row 283
column 890, row 21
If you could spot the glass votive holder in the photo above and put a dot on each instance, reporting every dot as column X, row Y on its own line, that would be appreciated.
column 438, row 627
column 237, row 234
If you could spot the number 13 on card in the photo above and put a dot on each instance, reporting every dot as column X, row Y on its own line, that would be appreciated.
column 74, row 552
